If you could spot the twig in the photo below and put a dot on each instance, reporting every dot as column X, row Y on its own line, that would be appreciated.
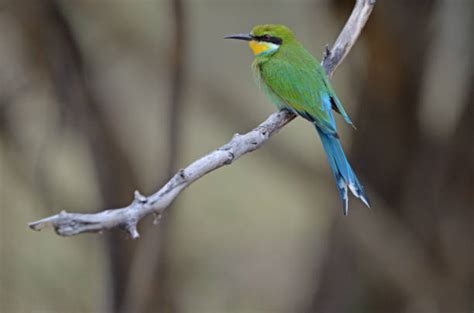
column 348, row 36
column 69, row 224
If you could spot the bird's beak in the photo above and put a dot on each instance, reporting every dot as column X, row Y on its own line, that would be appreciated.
column 246, row 37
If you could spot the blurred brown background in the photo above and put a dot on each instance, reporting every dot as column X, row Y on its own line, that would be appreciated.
column 99, row 98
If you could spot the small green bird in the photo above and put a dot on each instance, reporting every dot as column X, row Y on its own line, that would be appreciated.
column 292, row 79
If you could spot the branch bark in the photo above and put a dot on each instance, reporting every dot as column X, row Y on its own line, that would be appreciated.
column 69, row 224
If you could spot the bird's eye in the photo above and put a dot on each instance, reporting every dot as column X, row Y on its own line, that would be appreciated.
column 266, row 37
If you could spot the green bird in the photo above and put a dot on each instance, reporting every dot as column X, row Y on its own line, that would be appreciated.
column 294, row 80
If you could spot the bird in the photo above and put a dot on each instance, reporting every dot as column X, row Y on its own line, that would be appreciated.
column 294, row 80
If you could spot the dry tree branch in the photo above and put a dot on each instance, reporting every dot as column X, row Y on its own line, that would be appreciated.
column 348, row 36
column 69, row 224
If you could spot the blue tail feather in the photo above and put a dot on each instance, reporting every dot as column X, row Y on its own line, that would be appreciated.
column 345, row 176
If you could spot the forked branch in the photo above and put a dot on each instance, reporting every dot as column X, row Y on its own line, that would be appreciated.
column 69, row 224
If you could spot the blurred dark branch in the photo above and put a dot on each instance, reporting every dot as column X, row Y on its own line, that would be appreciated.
column 81, row 108
column 68, row 224
column 78, row 99
column 176, row 83
column 144, row 286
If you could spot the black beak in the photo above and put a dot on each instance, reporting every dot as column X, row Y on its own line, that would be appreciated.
column 246, row 37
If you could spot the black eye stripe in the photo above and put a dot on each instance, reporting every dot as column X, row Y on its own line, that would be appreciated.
column 268, row 38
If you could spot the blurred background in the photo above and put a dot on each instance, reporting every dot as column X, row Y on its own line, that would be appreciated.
column 99, row 98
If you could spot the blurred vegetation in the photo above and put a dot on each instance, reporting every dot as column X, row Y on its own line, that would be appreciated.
column 102, row 97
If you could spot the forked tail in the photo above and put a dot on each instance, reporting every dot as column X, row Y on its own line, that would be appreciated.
column 345, row 176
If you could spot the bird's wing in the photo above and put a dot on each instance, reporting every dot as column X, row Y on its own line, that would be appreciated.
column 302, row 90
column 335, row 103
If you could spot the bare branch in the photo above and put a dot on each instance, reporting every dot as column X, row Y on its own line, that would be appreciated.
column 69, row 224
column 348, row 36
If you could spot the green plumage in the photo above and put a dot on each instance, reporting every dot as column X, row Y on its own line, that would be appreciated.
column 292, row 79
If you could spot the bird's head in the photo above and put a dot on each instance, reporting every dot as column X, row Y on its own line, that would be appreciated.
column 265, row 40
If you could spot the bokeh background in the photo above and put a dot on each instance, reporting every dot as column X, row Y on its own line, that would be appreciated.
column 99, row 98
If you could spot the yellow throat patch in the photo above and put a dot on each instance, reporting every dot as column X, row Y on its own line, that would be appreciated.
column 259, row 47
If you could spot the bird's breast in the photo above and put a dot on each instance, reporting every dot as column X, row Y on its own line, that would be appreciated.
column 269, row 93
